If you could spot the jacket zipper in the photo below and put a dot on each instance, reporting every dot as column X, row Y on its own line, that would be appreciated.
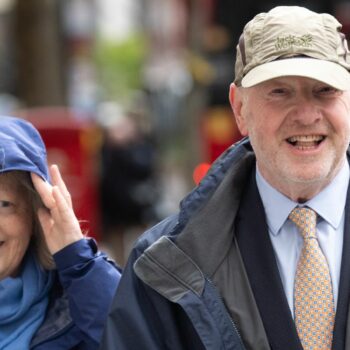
column 229, row 316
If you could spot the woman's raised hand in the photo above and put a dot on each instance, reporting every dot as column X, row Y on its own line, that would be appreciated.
column 58, row 221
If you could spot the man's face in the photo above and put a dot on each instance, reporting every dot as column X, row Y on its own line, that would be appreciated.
column 299, row 129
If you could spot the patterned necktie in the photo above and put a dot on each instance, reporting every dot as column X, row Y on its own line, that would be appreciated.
column 313, row 295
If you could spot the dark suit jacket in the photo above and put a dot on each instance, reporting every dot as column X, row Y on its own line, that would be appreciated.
column 207, row 278
column 258, row 256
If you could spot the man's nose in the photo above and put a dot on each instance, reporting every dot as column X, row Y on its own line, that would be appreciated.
column 306, row 111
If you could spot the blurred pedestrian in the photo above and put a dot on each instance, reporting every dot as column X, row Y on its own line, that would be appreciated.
column 128, row 191
column 55, row 286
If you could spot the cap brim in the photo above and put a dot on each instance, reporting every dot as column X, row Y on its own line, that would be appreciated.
column 327, row 72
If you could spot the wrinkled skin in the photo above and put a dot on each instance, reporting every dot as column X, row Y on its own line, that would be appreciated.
column 299, row 129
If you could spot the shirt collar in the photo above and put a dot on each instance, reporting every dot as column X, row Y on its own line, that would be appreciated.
column 329, row 203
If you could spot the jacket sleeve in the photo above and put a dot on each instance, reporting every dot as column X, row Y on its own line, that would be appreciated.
column 133, row 322
column 90, row 280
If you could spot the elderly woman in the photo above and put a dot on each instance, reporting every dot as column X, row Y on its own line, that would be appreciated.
column 55, row 286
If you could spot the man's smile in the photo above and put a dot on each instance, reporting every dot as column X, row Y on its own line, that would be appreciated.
column 306, row 141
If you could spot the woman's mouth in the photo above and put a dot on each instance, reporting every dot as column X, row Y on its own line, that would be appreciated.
column 306, row 141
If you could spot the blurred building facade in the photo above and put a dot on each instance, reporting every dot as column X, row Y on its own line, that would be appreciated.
column 47, row 48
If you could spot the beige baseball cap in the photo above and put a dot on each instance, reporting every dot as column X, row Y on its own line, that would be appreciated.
column 293, row 41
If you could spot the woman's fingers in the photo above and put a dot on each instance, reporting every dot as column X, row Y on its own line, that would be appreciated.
column 44, row 189
column 45, row 220
column 65, row 228
column 59, row 223
column 64, row 211
column 58, row 181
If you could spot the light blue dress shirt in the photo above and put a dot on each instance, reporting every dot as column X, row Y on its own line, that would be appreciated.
column 286, row 240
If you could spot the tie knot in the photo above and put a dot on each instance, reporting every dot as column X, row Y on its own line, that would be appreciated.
column 305, row 219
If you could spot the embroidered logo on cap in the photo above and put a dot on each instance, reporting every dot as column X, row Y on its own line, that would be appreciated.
column 292, row 40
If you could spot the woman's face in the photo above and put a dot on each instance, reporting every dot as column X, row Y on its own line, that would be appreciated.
column 15, row 226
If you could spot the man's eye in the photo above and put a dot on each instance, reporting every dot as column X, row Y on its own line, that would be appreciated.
column 327, row 90
column 278, row 91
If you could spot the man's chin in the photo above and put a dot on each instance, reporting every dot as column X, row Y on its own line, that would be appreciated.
column 316, row 179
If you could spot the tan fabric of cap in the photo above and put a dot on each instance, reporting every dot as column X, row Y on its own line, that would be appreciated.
column 293, row 41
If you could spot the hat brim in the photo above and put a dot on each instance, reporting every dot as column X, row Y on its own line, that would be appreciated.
column 327, row 72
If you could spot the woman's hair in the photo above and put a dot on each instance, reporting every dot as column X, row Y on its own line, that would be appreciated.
column 22, row 180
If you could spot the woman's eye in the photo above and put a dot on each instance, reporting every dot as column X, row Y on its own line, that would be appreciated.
column 5, row 204
column 7, row 207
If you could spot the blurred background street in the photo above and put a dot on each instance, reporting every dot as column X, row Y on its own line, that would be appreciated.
column 131, row 97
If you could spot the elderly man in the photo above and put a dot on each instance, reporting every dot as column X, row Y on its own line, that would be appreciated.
column 257, row 256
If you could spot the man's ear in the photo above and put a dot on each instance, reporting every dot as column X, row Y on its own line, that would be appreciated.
column 236, row 101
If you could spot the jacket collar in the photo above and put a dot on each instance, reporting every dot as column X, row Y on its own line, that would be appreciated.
column 180, row 260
